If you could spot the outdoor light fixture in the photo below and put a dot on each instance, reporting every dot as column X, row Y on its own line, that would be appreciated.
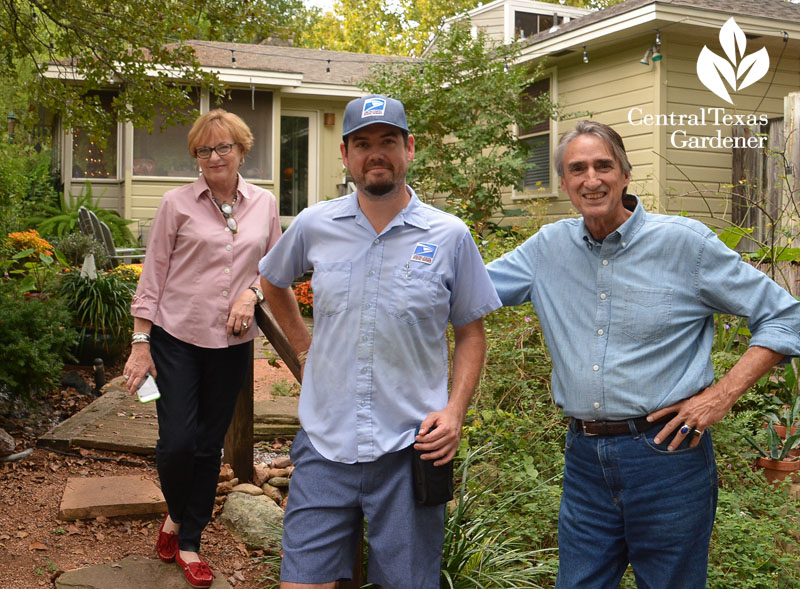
column 12, row 125
column 329, row 119
column 657, row 53
column 647, row 55
column 585, row 55
column 657, row 47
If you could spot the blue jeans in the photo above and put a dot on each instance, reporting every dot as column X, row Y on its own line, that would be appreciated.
column 628, row 500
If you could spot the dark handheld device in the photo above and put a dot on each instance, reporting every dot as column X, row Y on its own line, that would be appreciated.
column 433, row 485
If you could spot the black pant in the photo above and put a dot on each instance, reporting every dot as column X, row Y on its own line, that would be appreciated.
column 198, row 389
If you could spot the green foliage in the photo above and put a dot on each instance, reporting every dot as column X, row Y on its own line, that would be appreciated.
column 775, row 448
column 465, row 79
column 100, row 306
column 481, row 549
column 61, row 220
column 75, row 246
column 756, row 524
column 38, row 273
column 26, row 184
column 114, row 42
column 34, row 341
column 256, row 21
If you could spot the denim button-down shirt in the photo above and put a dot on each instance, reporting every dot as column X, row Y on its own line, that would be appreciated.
column 629, row 320
column 378, row 359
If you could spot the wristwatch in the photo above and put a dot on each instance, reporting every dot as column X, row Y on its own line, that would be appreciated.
column 259, row 294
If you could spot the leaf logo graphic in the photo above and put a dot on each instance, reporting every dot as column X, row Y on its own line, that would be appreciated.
column 714, row 71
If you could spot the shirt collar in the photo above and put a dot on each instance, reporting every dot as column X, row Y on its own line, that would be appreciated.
column 199, row 187
column 414, row 212
column 628, row 229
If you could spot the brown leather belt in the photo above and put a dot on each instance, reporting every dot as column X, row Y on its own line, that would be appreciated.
column 618, row 428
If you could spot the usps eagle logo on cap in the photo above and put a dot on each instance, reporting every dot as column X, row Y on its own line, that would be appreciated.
column 373, row 107
column 424, row 252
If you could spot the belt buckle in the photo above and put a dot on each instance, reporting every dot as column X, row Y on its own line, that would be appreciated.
column 583, row 427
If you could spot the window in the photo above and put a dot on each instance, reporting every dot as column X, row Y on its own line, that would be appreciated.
column 164, row 153
column 255, row 109
column 294, row 165
column 90, row 158
column 527, row 24
column 537, row 171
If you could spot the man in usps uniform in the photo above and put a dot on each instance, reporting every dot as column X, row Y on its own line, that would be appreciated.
column 389, row 273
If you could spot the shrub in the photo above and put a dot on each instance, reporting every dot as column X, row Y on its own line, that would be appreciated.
column 35, row 336
column 99, row 306
column 62, row 218
column 27, row 184
column 75, row 246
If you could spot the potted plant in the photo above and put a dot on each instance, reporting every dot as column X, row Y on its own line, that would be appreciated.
column 101, row 311
column 784, row 414
column 775, row 457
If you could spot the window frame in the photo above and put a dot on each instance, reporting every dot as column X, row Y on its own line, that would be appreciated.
column 551, row 191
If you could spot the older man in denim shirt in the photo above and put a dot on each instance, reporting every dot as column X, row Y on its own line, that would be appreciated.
column 626, row 301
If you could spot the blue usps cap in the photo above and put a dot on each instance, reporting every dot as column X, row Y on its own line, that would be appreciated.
column 369, row 110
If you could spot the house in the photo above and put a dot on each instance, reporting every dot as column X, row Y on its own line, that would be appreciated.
column 292, row 98
column 635, row 67
column 510, row 20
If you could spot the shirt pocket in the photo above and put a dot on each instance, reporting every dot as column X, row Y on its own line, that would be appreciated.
column 647, row 312
column 331, row 285
column 414, row 294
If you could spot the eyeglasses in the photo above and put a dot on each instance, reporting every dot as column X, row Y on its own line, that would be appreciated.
column 222, row 149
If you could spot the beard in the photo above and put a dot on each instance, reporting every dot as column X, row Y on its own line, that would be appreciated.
column 379, row 188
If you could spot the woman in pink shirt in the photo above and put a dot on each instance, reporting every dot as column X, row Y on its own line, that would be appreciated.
column 193, row 323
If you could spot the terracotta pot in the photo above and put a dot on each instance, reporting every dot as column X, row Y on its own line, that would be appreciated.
column 777, row 470
column 781, row 431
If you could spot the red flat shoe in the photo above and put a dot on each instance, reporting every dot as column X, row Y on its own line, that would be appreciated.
column 167, row 544
column 198, row 574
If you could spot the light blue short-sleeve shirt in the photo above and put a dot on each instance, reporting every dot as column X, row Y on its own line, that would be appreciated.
column 378, row 359
column 629, row 321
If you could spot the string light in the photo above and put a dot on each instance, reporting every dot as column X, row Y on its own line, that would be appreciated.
column 233, row 57
column 585, row 55
column 328, row 67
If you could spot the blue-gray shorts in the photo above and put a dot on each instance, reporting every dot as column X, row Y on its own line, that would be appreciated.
column 327, row 502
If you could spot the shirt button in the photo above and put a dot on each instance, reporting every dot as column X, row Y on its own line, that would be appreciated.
column 224, row 293
column 371, row 273
column 624, row 243
column 600, row 332
column 605, row 262
column 229, row 247
column 364, row 370
column 595, row 368
column 227, row 270
column 602, row 296
column 597, row 405
column 377, row 241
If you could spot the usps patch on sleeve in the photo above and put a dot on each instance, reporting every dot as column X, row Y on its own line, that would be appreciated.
column 373, row 107
column 424, row 252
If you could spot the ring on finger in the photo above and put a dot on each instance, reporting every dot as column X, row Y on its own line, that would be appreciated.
column 685, row 429
column 244, row 324
column 697, row 432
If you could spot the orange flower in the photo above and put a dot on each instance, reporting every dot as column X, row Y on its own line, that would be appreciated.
column 30, row 239
column 305, row 298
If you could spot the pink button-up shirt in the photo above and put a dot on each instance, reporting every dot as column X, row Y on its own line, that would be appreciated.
column 196, row 267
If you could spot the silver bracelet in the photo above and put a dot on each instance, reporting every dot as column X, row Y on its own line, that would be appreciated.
column 140, row 337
